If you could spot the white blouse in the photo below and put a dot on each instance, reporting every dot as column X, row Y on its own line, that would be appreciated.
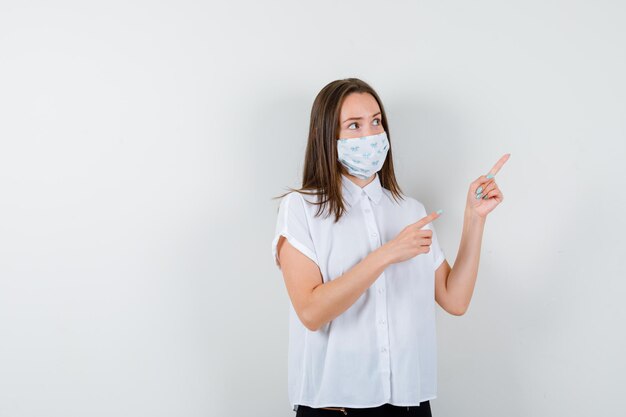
column 382, row 349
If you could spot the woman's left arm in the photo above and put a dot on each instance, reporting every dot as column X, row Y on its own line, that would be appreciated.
column 454, row 286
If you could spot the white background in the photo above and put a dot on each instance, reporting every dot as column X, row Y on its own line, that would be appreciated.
column 141, row 143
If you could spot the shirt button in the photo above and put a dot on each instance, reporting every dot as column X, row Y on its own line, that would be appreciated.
column 374, row 234
column 383, row 349
column 381, row 321
column 380, row 290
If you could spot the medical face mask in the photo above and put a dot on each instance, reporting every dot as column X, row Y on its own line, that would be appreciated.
column 363, row 156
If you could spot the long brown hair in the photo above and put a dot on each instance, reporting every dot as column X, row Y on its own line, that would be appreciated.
column 322, row 169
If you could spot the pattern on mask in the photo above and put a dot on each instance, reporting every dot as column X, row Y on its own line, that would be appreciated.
column 363, row 164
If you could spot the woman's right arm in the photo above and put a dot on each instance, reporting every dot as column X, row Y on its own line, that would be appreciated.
column 316, row 303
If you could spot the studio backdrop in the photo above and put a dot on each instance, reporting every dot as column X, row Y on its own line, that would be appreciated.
column 141, row 144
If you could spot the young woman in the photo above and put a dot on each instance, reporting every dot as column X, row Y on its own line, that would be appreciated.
column 363, row 267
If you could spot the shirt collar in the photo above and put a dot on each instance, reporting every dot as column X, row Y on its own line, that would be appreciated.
column 352, row 192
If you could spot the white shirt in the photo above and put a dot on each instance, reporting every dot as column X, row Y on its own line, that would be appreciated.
column 382, row 349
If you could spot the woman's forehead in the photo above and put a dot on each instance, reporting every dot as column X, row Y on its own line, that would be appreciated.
column 358, row 105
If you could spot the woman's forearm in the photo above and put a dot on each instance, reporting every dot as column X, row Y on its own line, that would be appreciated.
column 462, row 277
column 332, row 298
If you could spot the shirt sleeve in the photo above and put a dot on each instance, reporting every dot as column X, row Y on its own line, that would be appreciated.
column 438, row 255
column 293, row 224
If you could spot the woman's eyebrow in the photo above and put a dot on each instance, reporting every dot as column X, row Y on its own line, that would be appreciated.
column 359, row 118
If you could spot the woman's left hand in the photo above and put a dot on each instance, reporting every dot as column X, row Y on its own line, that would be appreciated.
column 484, row 194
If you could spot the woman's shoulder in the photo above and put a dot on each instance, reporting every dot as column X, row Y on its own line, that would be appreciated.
column 404, row 200
column 416, row 203
column 407, row 206
column 299, row 200
column 306, row 196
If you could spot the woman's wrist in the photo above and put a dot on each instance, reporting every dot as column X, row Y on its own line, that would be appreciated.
column 381, row 257
column 473, row 223
column 473, row 218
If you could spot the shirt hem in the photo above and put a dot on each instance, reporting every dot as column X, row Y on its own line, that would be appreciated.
column 353, row 405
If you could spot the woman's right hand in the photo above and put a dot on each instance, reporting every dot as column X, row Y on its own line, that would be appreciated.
column 411, row 241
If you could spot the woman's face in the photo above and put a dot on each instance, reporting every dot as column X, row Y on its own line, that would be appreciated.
column 360, row 116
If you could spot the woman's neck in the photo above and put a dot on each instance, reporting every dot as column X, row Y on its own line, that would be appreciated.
column 359, row 181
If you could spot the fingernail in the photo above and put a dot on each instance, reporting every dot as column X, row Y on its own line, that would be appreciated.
column 485, row 197
column 489, row 176
column 479, row 189
column 479, row 195
column 439, row 211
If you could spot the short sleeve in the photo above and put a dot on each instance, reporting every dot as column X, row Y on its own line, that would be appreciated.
column 438, row 254
column 293, row 224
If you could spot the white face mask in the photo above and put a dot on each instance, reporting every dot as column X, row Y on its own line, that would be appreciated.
column 363, row 156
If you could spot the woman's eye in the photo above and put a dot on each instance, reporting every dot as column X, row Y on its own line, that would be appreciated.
column 356, row 124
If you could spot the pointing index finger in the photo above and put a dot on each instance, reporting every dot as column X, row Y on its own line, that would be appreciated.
column 493, row 171
column 427, row 219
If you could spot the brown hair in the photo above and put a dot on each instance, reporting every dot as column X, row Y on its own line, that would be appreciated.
column 322, row 169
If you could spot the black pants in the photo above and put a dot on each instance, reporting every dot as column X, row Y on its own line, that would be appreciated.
column 385, row 410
